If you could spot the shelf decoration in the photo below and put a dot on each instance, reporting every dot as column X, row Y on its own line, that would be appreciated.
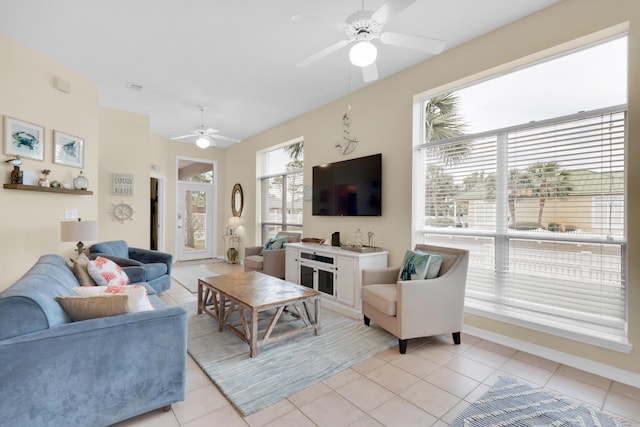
column 80, row 182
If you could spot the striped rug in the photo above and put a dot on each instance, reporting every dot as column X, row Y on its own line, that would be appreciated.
column 511, row 403
column 283, row 368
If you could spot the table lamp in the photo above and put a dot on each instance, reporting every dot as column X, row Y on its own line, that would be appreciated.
column 77, row 231
column 234, row 222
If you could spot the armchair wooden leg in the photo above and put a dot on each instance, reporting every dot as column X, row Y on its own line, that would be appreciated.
column 166, row 408
column 402, row 345
column 456, row 338
column 367, row 320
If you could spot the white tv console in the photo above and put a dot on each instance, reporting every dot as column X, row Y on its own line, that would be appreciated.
column 335, row 272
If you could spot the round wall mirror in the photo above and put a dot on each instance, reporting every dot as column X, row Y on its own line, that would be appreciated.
column 237, row 200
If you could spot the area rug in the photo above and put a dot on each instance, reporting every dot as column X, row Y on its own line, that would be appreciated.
column 511, row 403
column 188, row 276
column 282, row 368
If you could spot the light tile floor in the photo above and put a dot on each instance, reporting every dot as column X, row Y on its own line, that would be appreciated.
column 428, row 386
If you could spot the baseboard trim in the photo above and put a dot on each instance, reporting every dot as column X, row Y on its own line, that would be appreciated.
column 604, row 370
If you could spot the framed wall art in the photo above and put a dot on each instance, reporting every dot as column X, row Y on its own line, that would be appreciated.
column 68, row 149
column 23, row 139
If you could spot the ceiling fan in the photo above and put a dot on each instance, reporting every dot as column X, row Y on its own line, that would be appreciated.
column 364, row 26
column 205, row 136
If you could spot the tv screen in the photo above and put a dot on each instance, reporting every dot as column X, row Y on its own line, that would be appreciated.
column 348, row 188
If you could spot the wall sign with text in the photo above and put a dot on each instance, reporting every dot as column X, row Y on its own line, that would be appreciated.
column 122, row 184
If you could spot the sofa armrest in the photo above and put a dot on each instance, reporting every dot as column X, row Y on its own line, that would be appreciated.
column 273, row 262
column 147, row 256
column 95, row 372
column 375, row 276
column 252, row 250
column 135, row 274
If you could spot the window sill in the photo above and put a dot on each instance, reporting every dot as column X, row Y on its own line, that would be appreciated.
column 610, row 342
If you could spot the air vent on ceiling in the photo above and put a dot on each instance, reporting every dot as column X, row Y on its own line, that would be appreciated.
column 134, row 86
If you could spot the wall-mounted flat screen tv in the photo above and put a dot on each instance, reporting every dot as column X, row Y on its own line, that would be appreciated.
column 348, row 188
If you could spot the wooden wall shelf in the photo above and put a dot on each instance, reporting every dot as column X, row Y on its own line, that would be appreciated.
column 46, row 189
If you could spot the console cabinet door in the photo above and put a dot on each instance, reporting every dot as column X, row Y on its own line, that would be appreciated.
column 346, row 279
column 291, row 265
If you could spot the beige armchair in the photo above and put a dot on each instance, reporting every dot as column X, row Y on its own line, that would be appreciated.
column 418, row 308
column 271, row 262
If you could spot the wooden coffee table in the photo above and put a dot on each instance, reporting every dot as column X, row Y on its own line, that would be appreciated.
column 253, row 292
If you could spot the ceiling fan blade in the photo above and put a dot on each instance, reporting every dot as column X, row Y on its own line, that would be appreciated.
column 211, row 131
column 225, row 138
column 424, row 44
column 370, row 73
column 324, row 52
column 182, row 137
column 389, row 9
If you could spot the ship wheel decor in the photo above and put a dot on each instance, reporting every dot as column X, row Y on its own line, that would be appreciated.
column 122, row 212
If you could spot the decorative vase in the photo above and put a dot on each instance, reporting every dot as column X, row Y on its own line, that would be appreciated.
column 80, row 182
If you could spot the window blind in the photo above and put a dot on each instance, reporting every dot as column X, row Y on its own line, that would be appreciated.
column 541, row 209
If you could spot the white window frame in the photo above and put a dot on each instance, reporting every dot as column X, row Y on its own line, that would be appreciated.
column 498, row 240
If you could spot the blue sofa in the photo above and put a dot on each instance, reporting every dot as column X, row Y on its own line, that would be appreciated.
column 55, row 372
column 141, row 265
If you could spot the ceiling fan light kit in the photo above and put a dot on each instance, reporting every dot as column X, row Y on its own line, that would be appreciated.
column 203, row 141
column 363, row 54
column 205, row 136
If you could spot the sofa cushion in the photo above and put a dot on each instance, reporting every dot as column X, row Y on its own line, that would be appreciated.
column 106, row 272
column 138, row 298
column 253, row 262
column 80, row 270
column 154, row 270
column 383, row 298
column 85, row 308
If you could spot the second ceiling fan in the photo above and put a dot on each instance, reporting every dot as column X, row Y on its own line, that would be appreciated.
column 364, row 26
column 205, row 136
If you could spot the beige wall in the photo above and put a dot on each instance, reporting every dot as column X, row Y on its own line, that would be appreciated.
column 29, row 221
column 382, row 121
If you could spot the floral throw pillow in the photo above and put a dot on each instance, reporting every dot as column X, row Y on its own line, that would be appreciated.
column 106, row 272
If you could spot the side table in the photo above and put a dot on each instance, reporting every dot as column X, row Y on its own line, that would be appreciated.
column 231, row 246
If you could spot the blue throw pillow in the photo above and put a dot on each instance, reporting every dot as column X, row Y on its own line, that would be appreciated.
column 418, row 265
column 274, row 243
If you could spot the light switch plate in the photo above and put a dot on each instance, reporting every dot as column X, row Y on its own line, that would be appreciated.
column 71, row 214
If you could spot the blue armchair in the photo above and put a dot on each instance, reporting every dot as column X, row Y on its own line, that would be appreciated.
column 141, row 265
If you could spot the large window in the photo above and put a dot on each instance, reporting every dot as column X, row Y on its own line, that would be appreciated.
column 281, row 189
column 527, row 171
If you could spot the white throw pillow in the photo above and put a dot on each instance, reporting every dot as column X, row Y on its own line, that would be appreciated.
column 106, row 272
column 138, row 298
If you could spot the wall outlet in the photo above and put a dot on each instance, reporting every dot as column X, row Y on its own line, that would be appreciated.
column 71, row 214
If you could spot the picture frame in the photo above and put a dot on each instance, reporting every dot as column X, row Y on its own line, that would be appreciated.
column 23, row 139
column 68, row 149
